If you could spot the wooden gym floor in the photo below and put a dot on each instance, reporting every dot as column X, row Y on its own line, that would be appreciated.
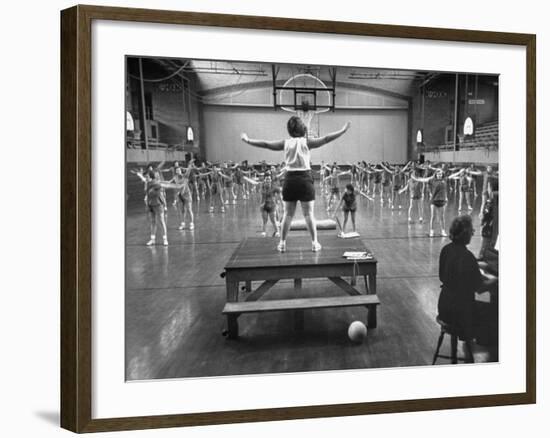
column 175, row 296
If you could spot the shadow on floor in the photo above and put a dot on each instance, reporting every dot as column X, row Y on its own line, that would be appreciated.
column 50, row 417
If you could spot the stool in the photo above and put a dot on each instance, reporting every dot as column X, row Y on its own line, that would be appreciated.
column 447, row 329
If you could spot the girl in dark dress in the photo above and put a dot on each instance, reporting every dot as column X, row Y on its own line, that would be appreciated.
column 334, row 181
column 349, row 205
column 438, row 197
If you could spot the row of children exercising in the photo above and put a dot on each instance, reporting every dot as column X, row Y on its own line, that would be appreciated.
column 230, row 181
column 221, row 182
column 391, row 182
column 387, row 180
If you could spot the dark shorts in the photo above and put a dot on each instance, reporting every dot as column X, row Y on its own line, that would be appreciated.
column 214, row 189
column 439, row 203
column 157, row 210
column 298, row 186
column 335, row 190
column 351, row 208
column 416, row 197
column 268, row 207
column 183, row 199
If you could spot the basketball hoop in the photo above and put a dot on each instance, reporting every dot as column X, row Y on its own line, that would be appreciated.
column 305, row 95
column 307, row 116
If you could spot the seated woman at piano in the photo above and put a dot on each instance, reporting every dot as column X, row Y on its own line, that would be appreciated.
column 461, row 278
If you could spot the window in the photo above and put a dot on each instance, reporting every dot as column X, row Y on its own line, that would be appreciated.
column 129, row 121
column 419, row 136
column 468, row 126
column 190, row 135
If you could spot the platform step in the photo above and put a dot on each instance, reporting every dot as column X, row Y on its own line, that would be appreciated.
column 321, row 224
column 301, row 303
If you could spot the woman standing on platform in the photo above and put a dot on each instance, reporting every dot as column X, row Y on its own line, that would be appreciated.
column 298, row 181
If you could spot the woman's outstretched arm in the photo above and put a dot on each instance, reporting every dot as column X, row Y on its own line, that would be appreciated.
column 276, row 145
column 456, row 175
column 321, row 141
column 387, row 168
column 251, row 181
column 426, row 179
column 406, row 167
column 139, row 174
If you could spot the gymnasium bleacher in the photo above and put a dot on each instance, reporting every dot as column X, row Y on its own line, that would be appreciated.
column 485, row 137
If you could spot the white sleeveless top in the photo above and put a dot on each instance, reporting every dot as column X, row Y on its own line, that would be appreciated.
column 297, row 155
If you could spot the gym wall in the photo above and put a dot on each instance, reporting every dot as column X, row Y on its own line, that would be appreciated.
column 375, row 135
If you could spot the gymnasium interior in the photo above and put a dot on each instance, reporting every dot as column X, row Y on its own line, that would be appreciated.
column 181, row 110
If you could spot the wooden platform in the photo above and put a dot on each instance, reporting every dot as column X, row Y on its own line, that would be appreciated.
column 257, row 259
column 257, row 252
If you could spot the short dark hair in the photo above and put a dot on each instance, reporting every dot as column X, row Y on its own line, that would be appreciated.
column 349, row 187
column 296, row 127
column 461, row 229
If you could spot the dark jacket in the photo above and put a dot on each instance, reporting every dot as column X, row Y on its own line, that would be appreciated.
column 460, row 277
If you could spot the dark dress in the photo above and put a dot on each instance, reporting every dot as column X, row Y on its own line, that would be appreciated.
column 460, row 277
column 349, row 202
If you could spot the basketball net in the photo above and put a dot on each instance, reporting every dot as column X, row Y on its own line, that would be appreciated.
column 307, row 117
column 298, row 86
